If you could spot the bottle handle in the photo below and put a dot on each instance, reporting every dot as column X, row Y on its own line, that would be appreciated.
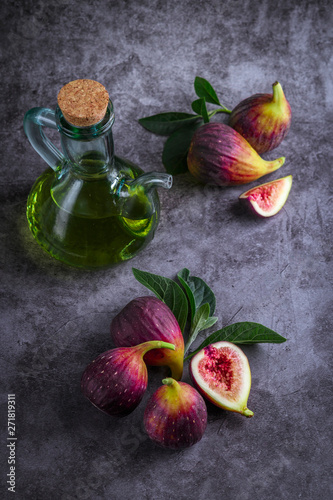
column 34, row 121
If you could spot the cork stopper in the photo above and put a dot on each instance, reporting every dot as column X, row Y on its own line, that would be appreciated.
column 83, row 102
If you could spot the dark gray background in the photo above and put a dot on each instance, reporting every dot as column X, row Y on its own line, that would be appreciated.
column 276, row 272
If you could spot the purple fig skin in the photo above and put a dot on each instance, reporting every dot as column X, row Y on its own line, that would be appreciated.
column 148, row 318
column 221, row 156
column 263, row 119
column 176, row 415
column 116, row 380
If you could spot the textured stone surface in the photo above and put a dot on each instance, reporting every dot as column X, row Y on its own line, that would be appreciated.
column 55, row 320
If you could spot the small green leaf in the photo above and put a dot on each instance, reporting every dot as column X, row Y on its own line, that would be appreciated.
column 200, row 318
column 167, row 123
column 242, row 333
column 182, row 276
column 197, row 291
column 168, row 291
column 199, row 107
column 210, row 322
column 204, row 89
column 174, row 156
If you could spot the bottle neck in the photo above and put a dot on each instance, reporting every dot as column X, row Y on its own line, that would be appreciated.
column 89, row 151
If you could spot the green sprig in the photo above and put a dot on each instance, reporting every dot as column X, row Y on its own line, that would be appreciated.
column 180, row 126
column 195, row 309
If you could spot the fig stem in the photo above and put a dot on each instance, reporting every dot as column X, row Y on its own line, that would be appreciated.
column 171, row 382
column 278, row 94
column 155, row 344
column 248, row 413
column 275, row 164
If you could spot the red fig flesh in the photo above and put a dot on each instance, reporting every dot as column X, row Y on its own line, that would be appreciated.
column 221, row 373
column 263, row 119
column 176, row 415
column 267, row 199
column 116, row 380
column 219, row 155
column 148, row 318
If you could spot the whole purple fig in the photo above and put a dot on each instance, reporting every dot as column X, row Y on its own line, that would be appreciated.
column 219, row 155
column 176, row 415
column 263, row 119
column 148, row 318
column 116, row 380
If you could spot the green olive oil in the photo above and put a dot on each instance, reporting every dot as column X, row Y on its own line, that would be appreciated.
column 80, row 240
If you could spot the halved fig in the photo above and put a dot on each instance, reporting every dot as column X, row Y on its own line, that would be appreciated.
column 267, row 199
column 221, row 373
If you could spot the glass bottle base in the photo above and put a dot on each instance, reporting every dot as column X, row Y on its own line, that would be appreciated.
column 84, row 242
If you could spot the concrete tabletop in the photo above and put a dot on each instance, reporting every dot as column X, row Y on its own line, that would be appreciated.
column 55, row 319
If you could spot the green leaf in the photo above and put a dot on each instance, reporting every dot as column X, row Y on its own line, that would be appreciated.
column 168, row 291
column 197, row 290
column 167, row 123
column 210, row 322
column 242, row 333
column 200, row 318
column 174, row 156
column 204, row 89
column 189, row 293
column 199, row 107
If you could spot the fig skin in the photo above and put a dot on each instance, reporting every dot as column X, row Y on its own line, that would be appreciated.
column 176, row 415
column 219, row 155
column 221, row 373
column 148, row 318
column 116, row 380
column 263, row 119
column 268, row 199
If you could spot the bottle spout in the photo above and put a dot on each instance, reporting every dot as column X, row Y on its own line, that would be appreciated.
column 152, row 180
column 138, row 196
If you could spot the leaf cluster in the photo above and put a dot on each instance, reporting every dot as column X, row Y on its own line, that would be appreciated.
column 180, row 126
column 193, row 304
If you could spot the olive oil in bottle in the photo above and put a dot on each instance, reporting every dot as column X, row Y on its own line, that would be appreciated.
column 91, row 209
